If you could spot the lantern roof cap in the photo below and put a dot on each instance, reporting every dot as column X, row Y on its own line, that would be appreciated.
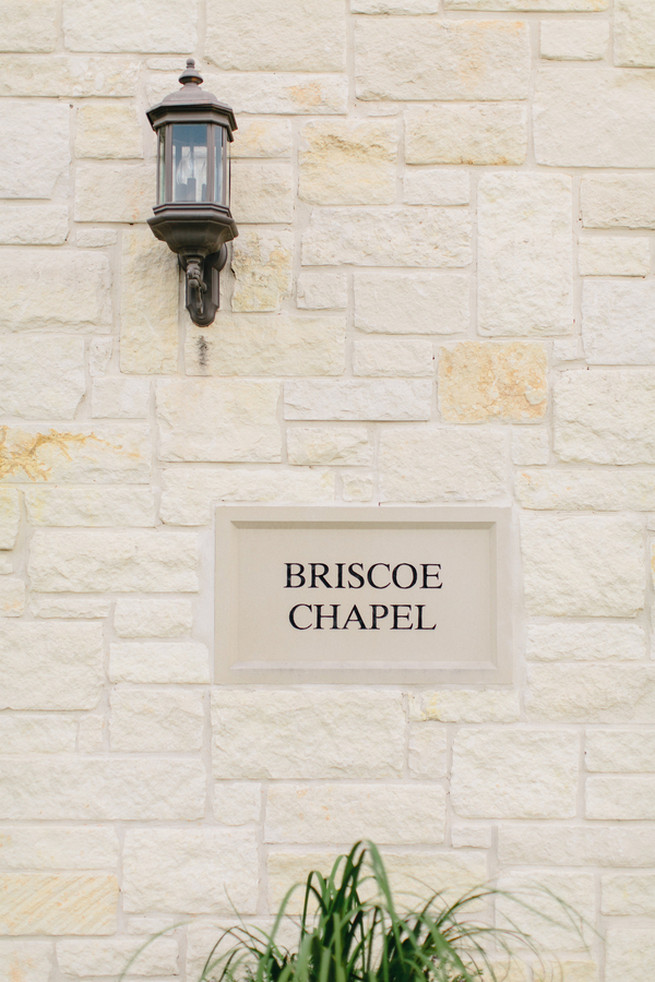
column 191, row 97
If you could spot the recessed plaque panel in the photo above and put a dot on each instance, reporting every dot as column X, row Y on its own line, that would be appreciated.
column 362, row 595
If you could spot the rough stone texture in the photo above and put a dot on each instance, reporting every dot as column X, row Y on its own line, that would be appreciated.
column 58, row 903
column 605, row 417
column 262, row 191
column 12, row 596
column 481, row 381
column 435, row 464
column 586, row 642
column 310, row 94
column 190, row 871
column 621, row 798
column 357, row 486
column 542, row 911
column 148, row 304
column 630, row 952
column 159, row 662
column 34, row 153
column 586, row 489
column 610, row 255
column 556, row 844
column 262, row 260
column 395, row 356
column 108, row 129
column 618, row 201
column 395, row 6
column 254, row 35
column 618, row 324
column 29, row 25
column 593, row 116
column 95, row 561
column 33, row 224
column 436, row 186
column 322, row 289
column 23, row 733
column 634, row 33
column 591, row 693
column 9, row 517
column 525, row 255
column 582, row 566
column 535, row 773
column 41, row 377
column 333, row 444
column 412, row 303
column 538, row 5
column 628, row 893
column 237, row 802
column 384, row 400
column 25, row 960
column 126, row 398
column 147, row 720
column 100, row 507
column 348, row 162
column 574, row 40
column 63, row 75
column 425, row 59
column 466, row 706
column 263, row 138
column 427, row 753
column 111, row 191
column 69, row 847
column 48, row 666
column 146, row 956
column 309, row 734
column 91, row 25
column 62, row 607
column 466, row 133
column 620, row 750
column 152, row 618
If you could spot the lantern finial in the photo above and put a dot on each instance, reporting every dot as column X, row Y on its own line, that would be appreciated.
column 190, row 76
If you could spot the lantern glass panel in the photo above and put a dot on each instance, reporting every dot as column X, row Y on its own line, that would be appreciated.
column 161, row 167
column 190, row 162
column 221, row 189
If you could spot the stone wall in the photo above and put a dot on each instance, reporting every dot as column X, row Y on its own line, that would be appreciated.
column 442, row 291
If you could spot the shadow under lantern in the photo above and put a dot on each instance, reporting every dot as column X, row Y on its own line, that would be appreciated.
column 192, row 214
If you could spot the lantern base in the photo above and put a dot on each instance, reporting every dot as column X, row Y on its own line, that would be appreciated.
column 202, row 290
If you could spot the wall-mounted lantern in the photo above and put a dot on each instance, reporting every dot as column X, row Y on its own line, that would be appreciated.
column 192, row 213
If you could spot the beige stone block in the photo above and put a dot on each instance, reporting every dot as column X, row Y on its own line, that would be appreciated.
column 102, row 788
column 618, row 201
column 634, row 33
column 466, row 706
column 12, row 596
column 300, row 35
column 108, row 129
column 88, row 506
column 358, row 400
column 284, row 93
column 558, row 844
column 111, row 191
column 436, row 464
column 159, row 662
column 482, row 381
column 574, row 40
column 146, row 956
column 535, row 773
column 530, row 446
column 218, row 420
column 23, row 733
column 591, row 693
column 412, row 303
column 471, row 834
column 29, row 25
column 605, row 417
column 154, row 721
column 436, row 186
column 322, row 290
column 395, row 356
column 591, row 642
column 620, row 750
column 525, row 254
column 55, row 847
column 278, row 344
column 628, row 893
column 90, row 237
column 307, row 734
column 92, row 737
column 34, row 152
column 104, row 454
column 630, row 952
column 427, row 752
column 65, row 661
column 92, row 25
column 408, row 812
column 439, row 237
column 29, row 223
column 612, row 255
column 65, row 75
column 310, row 445
column 190, row 495
column 357, row 487
column 41, row 377
column 466, row 133
column 262, row 137
column 190, row 871
column 556, row 912
column 395, row 6
column 95, row 561
column 126, row 398
column 262, row 263
column 262, row 191
column 58, row 903
column 148, row 305
column 428, row 60
column 152, row 618
column 622, row 798
column 577, row 566
column 71, row 291
column 100, row 352
column 25, row 961
column 545, row 6
column 237, row 802
column 586, row 489
column 67, row 608
column 618, row 327
column 9, row 517
column 593, row 116
column 348, row 162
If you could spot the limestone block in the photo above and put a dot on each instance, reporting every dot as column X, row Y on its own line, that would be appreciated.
column 65, row 661
column 121, row 788
column 307, row 734
column 100, row 352
column 68, row 903
column 152, row 618
column 436, row 464
column 428, row 60
column 427, row 752
column 591, row 693
column 218, row 420
column 71, row 291
column 628, row 893
column 335, row 444
column 90, row 506
column 466, row 133
column 593, row 116
column 29, row 223
column 146, row 956
column 26, row 960
column 108, row 129
column 436, row 186
column 255, row 35
column 91, row 737
column 29, row 25
column 159, row 662
column 95, row 561
column 535, row 773
column 630, row 952
column 618, row 201
column 262, row 263
column 472, row 834
column 395, row 356
column 358, row 400
column 481, row 381
column 466, row 706
column 530, row 446
column 43, row 847
column 278, row 344
column 396, row 236
column 261, row 137
column 558, row 844
column 409, row 812
column 89, row 237
column 190, row 495
column 395, row 6
column 525, row 254
column 112, row 191
column 283, row 93
column 620, row 750
column 412, row 303
column 574, row 40
column 322, row 290
column 598, row 642
column 135, row 25
column 23, row 733
column 610, row 255
column 67, row 608
column 357, row 486
column 41, row 377
column 543, row 911
column 151, row 720
column 586, row 489
column 618, row 323
column 237, row 802
column 126, row 398
column 12, row 596
column 64, row 75
column 577, row 566
column 348, row 162
column 148, row 304
column 262, row 191
column 190, row 871
column 9, row 517
column 634, row 33
column 104, row 454
column 605, row 417
column 544, row 6
column 629, row 798
column 34, row 152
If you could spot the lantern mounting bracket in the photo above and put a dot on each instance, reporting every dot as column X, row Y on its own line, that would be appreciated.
column 202, row 284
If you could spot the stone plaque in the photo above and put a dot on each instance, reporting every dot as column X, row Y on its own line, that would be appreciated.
column 362, row 595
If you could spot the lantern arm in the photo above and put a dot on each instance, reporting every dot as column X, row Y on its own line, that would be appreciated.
column 202, row 284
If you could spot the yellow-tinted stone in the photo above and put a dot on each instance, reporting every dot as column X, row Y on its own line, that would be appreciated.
column 480, row 381
column 262, row 264
column 349, row 162
column 149, row 304
column 108, row 129
column 58, row 903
